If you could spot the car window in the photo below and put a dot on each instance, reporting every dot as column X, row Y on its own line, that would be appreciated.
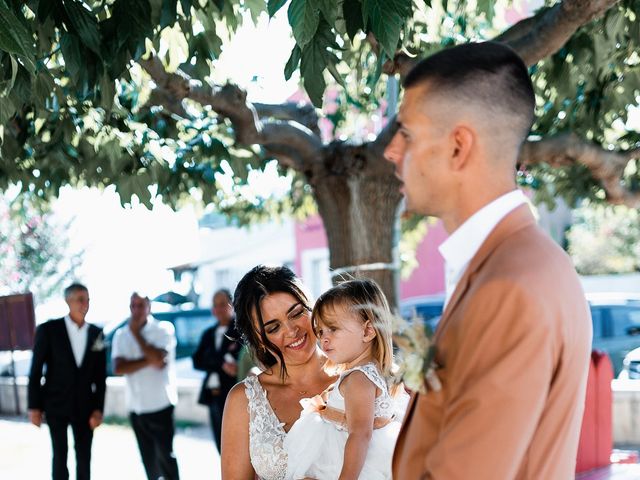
column 189, row 329
column 596, row 318
column 622, row 318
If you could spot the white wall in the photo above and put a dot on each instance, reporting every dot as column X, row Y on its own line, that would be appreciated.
column 229, row 252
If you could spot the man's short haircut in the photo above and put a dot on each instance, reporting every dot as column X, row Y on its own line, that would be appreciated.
column 487, row 73
column 142, row 296
column 226, row 292
column 74, row 287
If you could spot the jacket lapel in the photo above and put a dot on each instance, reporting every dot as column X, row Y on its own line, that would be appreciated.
column 511, row 223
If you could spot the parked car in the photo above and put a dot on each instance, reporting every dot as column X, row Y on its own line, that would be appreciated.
column 426, row 308
column 615, row 316
column 189, row 325
column 616, row 327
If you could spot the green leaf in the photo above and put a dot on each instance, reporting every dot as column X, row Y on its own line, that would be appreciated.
column 352, row 10
column 70, row 46
column 84, row 23
column 107, row 92
column 274, row 5
column 488, row 7
column 312, row 66
column 293, row 62
column 614, row 23
column 15, row 38
column 43, row 86
column 256, row 7
column 386, row 19
column 186, row 7
column 6, row 86
column 303, row 18
column 329, row 9
column 169, row 13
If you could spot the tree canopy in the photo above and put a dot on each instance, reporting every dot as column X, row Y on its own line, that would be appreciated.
column 94, row 92
column 127, row 93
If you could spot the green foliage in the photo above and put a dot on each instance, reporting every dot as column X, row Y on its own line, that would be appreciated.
column 76, row 109
column 34, row 252
column 605, row 240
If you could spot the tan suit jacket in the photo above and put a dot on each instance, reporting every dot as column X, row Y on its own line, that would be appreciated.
column 513, row 348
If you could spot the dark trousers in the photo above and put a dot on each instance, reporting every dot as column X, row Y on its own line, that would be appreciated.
column 215, row 416
column 82, row 438
column 154, row 432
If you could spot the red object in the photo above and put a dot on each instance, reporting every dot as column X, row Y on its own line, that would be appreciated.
column 596, row 438
column 17, row 322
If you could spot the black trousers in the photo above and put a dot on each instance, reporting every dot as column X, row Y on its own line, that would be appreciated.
column 82, row 438
column 216, row 407
column 154, row 432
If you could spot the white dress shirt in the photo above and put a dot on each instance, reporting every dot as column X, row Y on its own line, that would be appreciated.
column 77, row 337
column 466, row 240
column 149, row 389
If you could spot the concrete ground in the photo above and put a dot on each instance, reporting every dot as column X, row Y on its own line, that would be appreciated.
column 25, row 452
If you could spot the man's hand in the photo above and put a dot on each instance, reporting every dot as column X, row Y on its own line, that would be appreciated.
column 35, row 417
column 157, row 361
column 95, row 419
column 230, row 369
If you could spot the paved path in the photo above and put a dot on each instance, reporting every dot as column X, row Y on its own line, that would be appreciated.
column 25, row 453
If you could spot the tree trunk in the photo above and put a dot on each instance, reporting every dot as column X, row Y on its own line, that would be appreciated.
column 358, row 197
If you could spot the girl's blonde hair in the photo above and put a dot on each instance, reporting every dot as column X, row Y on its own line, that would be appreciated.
column 364, row 297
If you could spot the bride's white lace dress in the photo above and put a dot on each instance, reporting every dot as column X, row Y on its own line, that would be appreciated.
column 266, row 434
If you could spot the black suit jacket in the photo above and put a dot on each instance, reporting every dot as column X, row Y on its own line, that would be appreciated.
column 210, row 359
column 68, row 390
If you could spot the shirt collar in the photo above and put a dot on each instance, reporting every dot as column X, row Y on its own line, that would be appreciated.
column 71, row 324
column 464, row 242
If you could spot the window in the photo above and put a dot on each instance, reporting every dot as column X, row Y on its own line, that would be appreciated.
column 622, row 318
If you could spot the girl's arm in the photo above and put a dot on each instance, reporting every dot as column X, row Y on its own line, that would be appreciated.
column 359, row 398
column 236, row 463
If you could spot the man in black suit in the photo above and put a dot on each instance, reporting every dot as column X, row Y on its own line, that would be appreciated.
column 73, row 353
column 217, row 354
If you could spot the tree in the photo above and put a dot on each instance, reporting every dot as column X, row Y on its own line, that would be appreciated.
column 120, row 92
column 34, row 252
column 605, row 240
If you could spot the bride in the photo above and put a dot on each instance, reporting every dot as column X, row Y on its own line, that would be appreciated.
column 273, row 316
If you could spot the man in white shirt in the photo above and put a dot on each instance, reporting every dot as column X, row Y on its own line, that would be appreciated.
column 70, row 354
column 513, row 344
column 144, row 352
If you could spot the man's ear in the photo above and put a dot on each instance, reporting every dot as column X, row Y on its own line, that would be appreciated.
column 369, row 332
column 462, row 142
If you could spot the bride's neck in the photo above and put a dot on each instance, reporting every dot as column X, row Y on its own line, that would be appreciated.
column 307, row 372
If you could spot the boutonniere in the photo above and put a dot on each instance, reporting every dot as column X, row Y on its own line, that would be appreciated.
column 416, row 355
column 98, row 344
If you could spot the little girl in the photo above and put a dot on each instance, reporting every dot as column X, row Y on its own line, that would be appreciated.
column 353, row 435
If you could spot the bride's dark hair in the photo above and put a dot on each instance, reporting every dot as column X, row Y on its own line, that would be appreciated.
column 257, row 283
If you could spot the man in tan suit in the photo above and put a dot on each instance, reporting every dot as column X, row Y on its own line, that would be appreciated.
column 514, row 341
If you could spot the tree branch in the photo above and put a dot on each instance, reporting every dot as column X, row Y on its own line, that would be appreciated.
column 533, row 38
column 546, row 32
column 607, row 166
column 291, row 143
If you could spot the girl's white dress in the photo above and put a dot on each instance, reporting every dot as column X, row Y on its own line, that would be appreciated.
column 315, row 447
